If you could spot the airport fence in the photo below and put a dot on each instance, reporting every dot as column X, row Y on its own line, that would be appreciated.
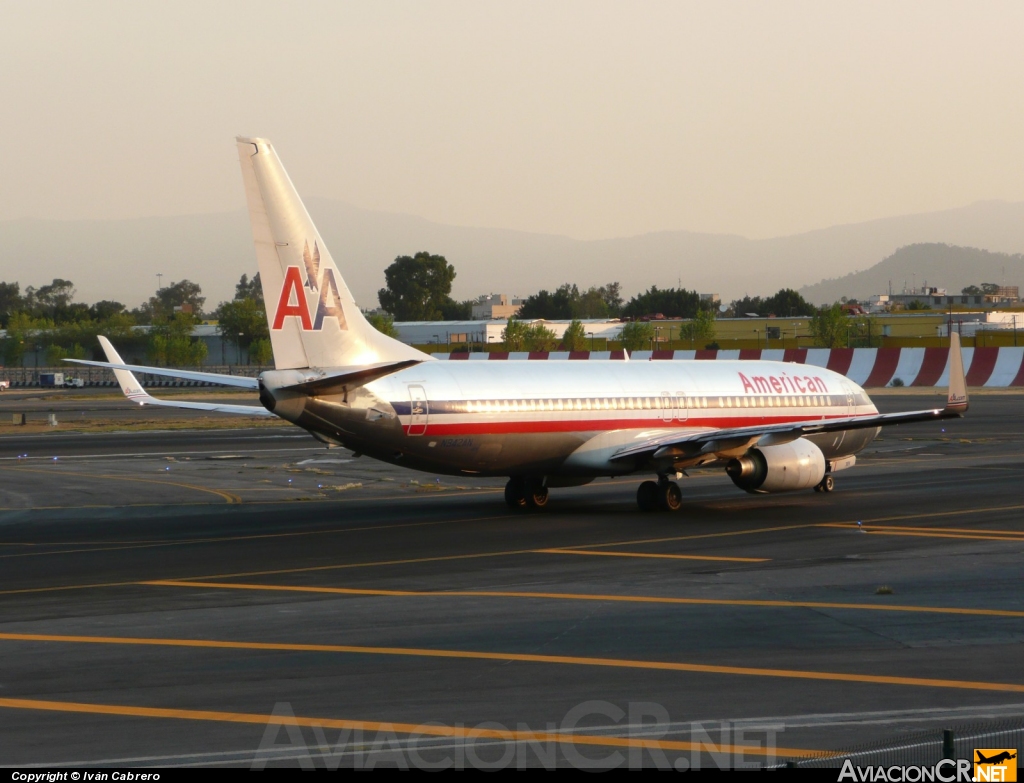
column 925, row 748
column 867, row 367
column 28, row 377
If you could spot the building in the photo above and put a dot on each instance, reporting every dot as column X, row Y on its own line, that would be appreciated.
column 495, row 306
column 941, row 299
column 481, row 333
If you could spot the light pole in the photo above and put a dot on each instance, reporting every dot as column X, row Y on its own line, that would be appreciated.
column 591, row 334
column 757, row 337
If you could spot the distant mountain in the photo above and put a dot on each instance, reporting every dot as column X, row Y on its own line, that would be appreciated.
column 939, row 265
column 120, row 259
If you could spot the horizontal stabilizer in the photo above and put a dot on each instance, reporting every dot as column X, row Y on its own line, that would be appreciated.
column 133, row 389
column 188, row 375
column 350, row 376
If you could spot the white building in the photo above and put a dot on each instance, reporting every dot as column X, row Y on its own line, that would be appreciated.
column 489, row 332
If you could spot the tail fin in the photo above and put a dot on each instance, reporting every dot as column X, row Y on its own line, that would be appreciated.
column 314, row 321
column 957, row 399
column 125, row 378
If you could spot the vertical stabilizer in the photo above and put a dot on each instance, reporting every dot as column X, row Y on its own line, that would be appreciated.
column 314, row 321
column 957, row 399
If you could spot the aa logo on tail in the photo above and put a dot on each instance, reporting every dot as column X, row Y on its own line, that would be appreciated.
column 295, row 302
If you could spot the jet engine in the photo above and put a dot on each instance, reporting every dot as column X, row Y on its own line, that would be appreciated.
column 798, row 464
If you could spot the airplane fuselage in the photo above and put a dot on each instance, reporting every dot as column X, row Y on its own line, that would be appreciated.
column 566, row 419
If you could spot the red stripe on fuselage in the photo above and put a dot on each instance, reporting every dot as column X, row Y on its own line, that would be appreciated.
column 604, row 425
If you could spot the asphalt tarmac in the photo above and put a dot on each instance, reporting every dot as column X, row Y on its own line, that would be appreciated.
column 163, row 593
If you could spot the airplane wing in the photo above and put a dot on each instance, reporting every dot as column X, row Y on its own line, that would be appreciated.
column 188, row 375
column 133, row 389
column 679, row 446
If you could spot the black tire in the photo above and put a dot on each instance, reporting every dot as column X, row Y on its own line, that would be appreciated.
column 536, row 496
column 647, row 496
column 828, row 484
column 515, row 492
column 670, row 497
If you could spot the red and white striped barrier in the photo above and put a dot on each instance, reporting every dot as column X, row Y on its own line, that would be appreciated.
column 868, row 367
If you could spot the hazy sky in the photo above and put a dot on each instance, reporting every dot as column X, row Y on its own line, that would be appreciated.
column 591, row 119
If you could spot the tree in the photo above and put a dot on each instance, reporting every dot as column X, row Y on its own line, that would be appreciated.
column 540, row 338
column 514, row 334
column 249, row 289
column 162, row 306
column 787, row 302
column 747, row 305
column 829, row 326
column 637, row 335
column 456, row 311
column 384, row 324
column 552, row 306
column 700, row 329
column 10, row 301
column 574, row 337
column 418, row 287
column 51, row 300
column 242, row 321
column 171, row 343
column 971, row 290
column 567, row 302
column 104, row 309
column 671, row 302
column 261, row 352
column 21, row 331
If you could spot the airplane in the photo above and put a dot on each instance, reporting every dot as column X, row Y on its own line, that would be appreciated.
column 996, row 759
column 773, row 426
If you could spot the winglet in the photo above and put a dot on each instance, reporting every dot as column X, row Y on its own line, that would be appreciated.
column 957, row 400
column 125, row 378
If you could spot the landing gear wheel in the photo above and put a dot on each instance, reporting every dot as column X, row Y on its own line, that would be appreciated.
column 536, row 495
column 647, row 496
column 515, row 492
column 827, row 484
column 670, row 497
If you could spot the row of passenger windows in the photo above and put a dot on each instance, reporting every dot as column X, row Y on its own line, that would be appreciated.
column 666, row 403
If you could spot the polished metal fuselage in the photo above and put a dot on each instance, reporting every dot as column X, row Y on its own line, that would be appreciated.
column 566, row 419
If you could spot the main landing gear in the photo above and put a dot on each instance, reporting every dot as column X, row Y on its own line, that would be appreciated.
column 663, row 495
column 526, row 493
column 827, row 484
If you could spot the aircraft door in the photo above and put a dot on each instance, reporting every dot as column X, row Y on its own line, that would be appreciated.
column 673, row 406
column 667, row 407
column 683, row 405
column 419, row 410
column 849, row 398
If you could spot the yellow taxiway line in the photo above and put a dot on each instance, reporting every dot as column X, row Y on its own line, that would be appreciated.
column 229, row 497
column 571, row 551
column 505, row 657
column 634, row 599
column 424, row 729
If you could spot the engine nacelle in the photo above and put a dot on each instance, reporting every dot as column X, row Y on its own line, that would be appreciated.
column 798, row 464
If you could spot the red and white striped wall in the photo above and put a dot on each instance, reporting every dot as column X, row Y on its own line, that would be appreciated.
column 868, row 367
